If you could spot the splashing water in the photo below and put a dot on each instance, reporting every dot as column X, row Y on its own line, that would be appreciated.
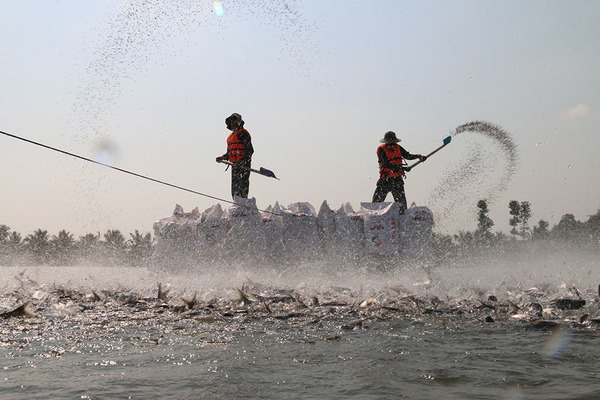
column 484, row 173
column 141, row 34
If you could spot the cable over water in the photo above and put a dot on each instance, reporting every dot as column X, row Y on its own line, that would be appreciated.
column 121, row 169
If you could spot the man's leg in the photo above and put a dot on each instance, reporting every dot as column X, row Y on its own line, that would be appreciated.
column 381, row 191
column 398, row 193
column 240, row 182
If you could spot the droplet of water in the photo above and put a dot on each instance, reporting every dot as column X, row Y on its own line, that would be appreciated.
column 218, row 8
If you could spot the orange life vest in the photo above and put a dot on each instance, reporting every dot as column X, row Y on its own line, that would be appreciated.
column 394, row 156
column 235, row 147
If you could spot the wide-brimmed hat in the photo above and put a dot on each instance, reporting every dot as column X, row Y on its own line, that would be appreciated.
column 234, row 117
column 389, row 137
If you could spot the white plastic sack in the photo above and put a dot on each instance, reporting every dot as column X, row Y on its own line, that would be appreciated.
column 381, row 227
column 349, row 232
column 326, row 223
column 301, row 232
column 212, row 229
column 273, row 228
column 245, row 237
column 416, row 232
column 176, row 233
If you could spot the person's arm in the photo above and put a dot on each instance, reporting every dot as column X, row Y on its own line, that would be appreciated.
column 244, row 137
column 406, row 155
column 223, row 157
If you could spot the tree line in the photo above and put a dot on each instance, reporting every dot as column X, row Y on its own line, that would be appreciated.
column 568, row 231
column 63, row 249
column 113, row 248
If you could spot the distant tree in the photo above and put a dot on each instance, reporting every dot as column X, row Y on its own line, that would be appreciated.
column 593, row 227
column 63, row 247
column 89, row 240
column 4, row 233
column 140, row 245
column 10, row 249
column 501, row 236
column 38, row 245
column 114, row 243
column 541, row 230
column 465, row 238
column 515, row 211
column 4, row 248
column 443, row 245
column 568, row 228
column 524, row 215
column 484, row 223
column 14, row 241
column 88, row 246
column 521, row 212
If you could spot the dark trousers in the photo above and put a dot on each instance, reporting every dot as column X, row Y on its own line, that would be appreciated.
column 240, row 182
column 394, row 185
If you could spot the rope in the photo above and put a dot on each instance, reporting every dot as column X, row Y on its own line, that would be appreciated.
column 124, row 170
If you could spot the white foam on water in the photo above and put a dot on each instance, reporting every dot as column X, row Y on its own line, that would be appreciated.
column 509, row 276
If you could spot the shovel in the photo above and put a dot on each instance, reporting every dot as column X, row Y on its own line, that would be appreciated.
column 446, row 141
column 262, row 171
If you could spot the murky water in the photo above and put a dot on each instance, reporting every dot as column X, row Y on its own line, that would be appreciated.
column 313, row 331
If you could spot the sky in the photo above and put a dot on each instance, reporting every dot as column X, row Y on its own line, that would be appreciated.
column 145, row 86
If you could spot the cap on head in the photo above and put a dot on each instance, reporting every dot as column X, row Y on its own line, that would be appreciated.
column 234, row 120
column 389, row 137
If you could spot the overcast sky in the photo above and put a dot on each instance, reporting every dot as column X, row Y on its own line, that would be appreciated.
column 145, row 85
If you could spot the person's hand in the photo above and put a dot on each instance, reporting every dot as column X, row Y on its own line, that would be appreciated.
column 422, row 158
column 407, row 169
column 220, row 158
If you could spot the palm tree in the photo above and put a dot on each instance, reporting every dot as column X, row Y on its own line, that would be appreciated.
column 4, row 251
column 14, row 241
column 4, row 233
column 114, row 243
column 62, row 247
column 89, row 246
column 38, row 244
column 140, row 245
column 10, row 247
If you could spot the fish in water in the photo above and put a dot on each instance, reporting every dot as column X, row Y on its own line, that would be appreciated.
column 162, row 293
column 568, row 304
column 21, row 311
column 244, row 299
column 545, row 324
column 353, row 325
column 190, row 303
column 93, row 297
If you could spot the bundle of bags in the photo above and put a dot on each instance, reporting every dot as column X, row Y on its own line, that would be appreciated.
column 296, row 232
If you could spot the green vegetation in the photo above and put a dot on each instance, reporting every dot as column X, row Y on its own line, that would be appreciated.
column 113, row 248
column 568, row 233
column 63, row 249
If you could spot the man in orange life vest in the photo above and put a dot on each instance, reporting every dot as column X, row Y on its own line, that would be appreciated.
column 239, row 152
column 391, row 171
